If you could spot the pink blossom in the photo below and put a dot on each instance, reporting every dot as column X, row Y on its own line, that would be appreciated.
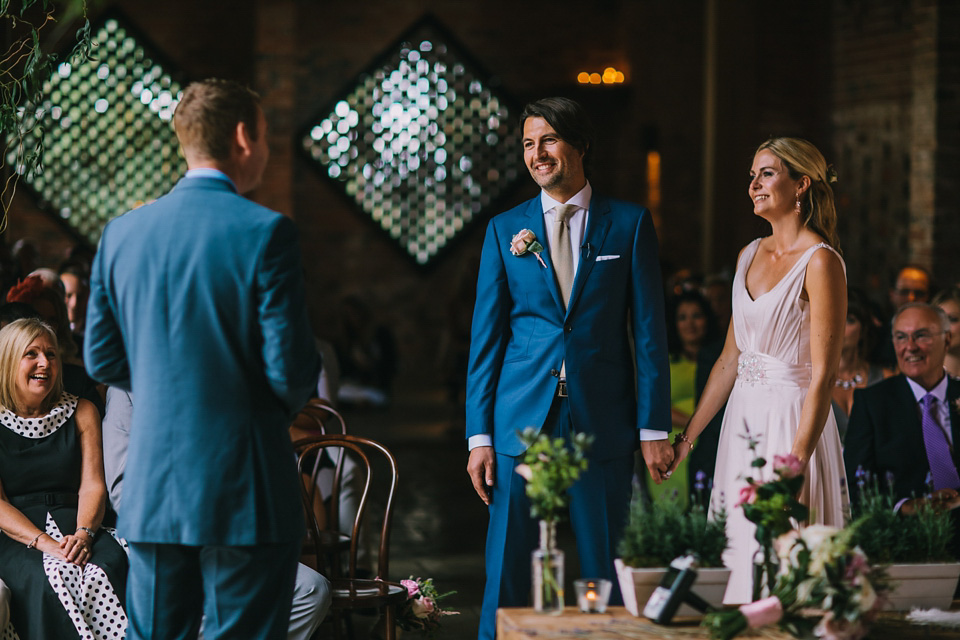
column 525, row 471
column 422, row 607
column 787, row 466
column 412, row 587
column 748, row 495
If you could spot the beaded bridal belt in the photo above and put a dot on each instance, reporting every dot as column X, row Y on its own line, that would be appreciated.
column 760, row 368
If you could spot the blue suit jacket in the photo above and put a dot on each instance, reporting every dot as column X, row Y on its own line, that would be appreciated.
column 197, row 306
column 521, row 333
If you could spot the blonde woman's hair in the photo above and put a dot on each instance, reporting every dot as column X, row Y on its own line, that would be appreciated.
column 15, row 338
column 817, row 209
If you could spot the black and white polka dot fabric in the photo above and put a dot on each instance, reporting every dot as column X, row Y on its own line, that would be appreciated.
column 44, row 426
column 86, row 594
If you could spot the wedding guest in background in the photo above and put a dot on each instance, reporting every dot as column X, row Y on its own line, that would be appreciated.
column 53, row 498
column 912, row 283
column 311, row 594
column 690, row 325
column 778, row 364
column 197, row 306
column 716, row 289
column 549, row 349
column 47, row 304
column 76, row 290
column 949, row 301
column 855, row 370
column 909, row 425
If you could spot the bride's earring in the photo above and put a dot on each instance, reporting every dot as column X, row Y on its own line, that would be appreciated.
column 798, row 204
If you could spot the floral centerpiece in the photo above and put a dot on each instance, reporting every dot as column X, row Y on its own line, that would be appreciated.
column 772, row 506
column 825, row 588
column 422, row 611
column 550, row 469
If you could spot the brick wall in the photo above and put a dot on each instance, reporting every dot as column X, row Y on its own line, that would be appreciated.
column 850, row 76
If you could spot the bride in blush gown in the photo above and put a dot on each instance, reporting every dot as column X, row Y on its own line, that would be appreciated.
column 777, row 369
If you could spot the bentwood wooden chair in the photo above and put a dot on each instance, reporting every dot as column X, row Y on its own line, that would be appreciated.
column 349, row 591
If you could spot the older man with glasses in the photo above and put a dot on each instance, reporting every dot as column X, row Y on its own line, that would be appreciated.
column 909, row 425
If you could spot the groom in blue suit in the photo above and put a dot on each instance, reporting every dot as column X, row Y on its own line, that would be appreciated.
column 197, row 307
column 567, row 339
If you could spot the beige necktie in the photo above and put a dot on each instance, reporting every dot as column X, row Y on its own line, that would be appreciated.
column 561, row 254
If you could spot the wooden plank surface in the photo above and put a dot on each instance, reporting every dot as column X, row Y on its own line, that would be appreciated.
column 618, row 624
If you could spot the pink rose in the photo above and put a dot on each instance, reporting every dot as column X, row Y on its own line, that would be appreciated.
column 788, row 466
column 412, row 587
column 525, row 471
column 748, row 495
column 422, row 607
column 520, row 242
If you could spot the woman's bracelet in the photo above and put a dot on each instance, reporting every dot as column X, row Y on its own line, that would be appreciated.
column 90, row 532
column 682, row 437
column 33, row 543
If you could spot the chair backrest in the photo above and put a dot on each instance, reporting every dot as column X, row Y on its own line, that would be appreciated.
column 365, row 452
column 317, row 417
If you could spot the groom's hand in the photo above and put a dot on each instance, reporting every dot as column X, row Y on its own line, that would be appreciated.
column 657, row 454
column 480, row 469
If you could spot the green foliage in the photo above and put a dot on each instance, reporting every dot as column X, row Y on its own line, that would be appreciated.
column 550, row 468
column 24, row 70
column 657, row 534
column 887, row 537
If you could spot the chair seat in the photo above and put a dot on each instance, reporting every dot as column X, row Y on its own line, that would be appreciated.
column 349, row 594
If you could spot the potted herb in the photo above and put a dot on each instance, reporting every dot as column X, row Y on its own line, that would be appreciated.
column 916, row 547
column 657, row 533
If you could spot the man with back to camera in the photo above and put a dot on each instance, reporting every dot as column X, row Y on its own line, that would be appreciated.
column 550, row 349
column 197, row 307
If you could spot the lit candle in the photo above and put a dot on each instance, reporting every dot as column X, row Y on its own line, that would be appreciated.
column 592, row 595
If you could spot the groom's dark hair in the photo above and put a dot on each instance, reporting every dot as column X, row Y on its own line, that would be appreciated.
column 568, row 119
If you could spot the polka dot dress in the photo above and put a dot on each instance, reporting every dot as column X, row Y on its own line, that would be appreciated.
column 86, row 595
column 36, row 428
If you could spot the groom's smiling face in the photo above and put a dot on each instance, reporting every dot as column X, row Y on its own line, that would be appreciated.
column 554, row 164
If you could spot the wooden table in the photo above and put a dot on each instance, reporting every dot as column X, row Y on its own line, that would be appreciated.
column 618, row 624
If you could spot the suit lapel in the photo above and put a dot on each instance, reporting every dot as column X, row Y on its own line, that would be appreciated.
column 534, row 216
column 953, row 397
column 598, row 223
column 904, row 409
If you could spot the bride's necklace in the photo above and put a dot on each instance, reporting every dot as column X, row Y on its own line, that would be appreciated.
column 849, row 383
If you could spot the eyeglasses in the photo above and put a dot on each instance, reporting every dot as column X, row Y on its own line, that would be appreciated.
column 923, row 337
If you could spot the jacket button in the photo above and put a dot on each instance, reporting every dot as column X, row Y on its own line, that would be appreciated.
column 554, row 373
column 568, row 328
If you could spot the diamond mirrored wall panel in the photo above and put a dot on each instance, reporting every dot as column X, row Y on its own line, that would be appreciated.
column 421, row 143
column 109, row 143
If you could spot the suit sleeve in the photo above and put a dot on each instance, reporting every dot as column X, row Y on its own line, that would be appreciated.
column 859, row 448
column 291, row 361
column 489, row 334
column 648, row 319
column 104, row 354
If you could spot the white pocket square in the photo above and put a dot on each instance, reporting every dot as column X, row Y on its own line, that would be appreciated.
column 611, row 257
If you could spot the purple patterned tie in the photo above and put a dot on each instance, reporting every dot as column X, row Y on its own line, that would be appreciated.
column 942, row 469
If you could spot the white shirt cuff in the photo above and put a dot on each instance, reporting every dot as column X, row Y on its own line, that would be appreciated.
column 652, row 434
column 479, row 440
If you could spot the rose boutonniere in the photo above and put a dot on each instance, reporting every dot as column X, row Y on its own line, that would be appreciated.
column 526, row 242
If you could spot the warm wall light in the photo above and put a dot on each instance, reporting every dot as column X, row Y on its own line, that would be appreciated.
column 609, row 76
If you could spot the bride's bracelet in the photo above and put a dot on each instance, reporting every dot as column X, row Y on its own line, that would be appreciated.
column 33, row 543
column 682, row 437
